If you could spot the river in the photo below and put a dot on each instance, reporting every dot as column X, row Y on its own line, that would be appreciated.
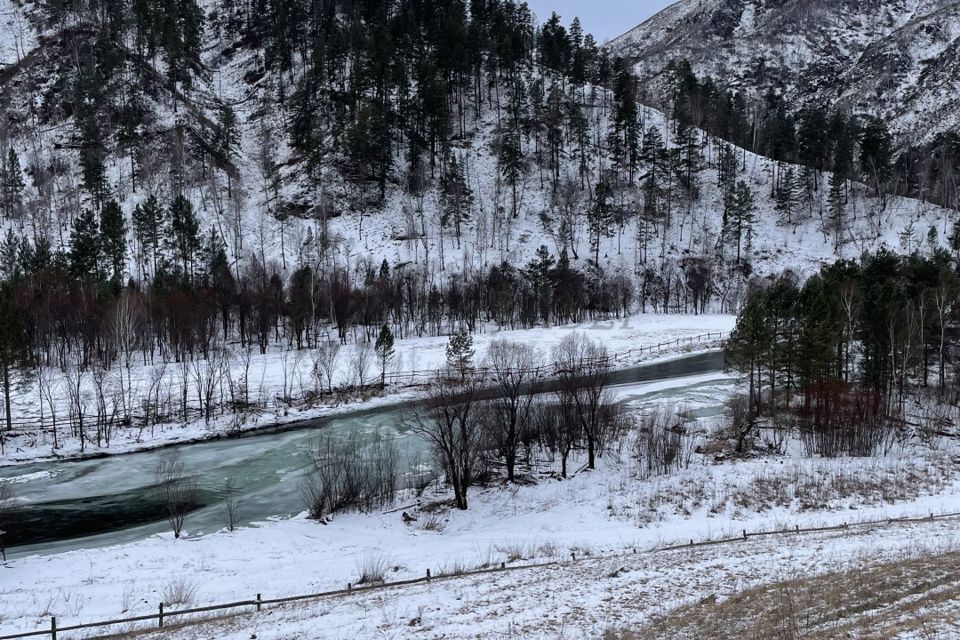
column 72, row 504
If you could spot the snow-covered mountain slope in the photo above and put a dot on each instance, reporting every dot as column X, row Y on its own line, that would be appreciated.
column 269, row 206
column 897, row 59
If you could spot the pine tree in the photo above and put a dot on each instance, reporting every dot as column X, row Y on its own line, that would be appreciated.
column 113, row 236
column 750, row 340
column 11, row 249
column 226, row 141
column 184, row 237
column 510, row 161
column 369, row 146
column 11, row 185
column 579, row 54
column 385, row 352
column 181, row 35
column 788, row 195
column 555, row 46
column 86, row 251
column 540, row 273
column 876, row 154
column 14, row 346
column 690, row 159
column 92, row 154
column 624, row 138
column 129, row 131
column 813, row 144
column 456, row 196
column 553, row 124
column 579, row 132
column 149, row 221
column 726, row 167
column 460, row 352
column 836, row 201
column 655, row 160
column 600, row 219
column 739, row 214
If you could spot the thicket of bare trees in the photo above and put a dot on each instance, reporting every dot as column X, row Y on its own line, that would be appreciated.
column 357, row 472
column 474, row 419
column 468, row 432
column 663, row 443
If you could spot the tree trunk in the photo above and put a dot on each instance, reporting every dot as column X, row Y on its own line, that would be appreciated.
column 6, row 393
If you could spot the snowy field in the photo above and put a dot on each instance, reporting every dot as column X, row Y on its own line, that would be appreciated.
column 573, row 601
column 271, row 374
column 610, row 511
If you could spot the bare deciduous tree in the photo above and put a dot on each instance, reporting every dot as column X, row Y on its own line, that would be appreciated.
column 47, row 387
column 360, row 363
column 742, row 421
column 512, row 367
column 207, row 377
column 6, row 497
column 231, row 502
column 450, row 419
column 583, row 369
column 73, row 378
column 177, row 491
column 325, row 363
column 127, row 336
column 151, row 402
column 663, row 443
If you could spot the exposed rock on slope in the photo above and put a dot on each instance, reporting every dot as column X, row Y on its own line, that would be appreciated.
column 898, row 59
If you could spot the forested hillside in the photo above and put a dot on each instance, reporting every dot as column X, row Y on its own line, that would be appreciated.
column 890, row 62
column 180, row 177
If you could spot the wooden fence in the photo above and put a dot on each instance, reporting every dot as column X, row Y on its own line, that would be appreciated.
column 163, row 615
column 623, row 358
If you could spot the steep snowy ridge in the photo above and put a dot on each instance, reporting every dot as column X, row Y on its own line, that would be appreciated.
column 893, row 58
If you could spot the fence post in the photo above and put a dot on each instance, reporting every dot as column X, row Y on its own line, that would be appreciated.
column 428, row 575
column 744, row 534
column 53, row 627
column 349, row 587
column 258, row 602
column 161, row 615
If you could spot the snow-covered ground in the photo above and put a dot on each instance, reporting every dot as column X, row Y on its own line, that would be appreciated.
column 634, row 339
column 578, row 600
column 604, row 512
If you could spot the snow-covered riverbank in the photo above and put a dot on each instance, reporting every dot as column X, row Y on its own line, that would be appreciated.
column 612, row 509
column 280, row 374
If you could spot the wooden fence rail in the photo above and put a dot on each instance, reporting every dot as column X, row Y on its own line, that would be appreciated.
column 257, row 603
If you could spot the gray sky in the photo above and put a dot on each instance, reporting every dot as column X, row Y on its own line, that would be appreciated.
column 605, row 19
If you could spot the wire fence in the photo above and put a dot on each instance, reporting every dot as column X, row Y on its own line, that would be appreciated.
column 163, row 616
